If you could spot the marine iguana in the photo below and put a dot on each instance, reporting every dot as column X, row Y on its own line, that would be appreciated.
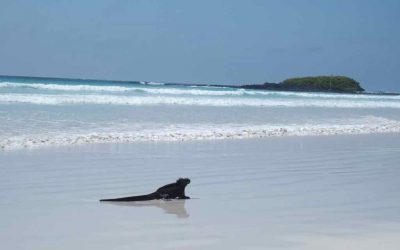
column 171, row 191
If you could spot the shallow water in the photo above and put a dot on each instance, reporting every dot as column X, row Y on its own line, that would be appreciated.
column 331, row 192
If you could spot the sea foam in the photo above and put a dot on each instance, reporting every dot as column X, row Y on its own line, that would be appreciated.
column 47, row 99
column 185, row 132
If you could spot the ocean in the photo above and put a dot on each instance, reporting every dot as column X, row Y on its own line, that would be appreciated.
column 268, row 170
column 37, row 112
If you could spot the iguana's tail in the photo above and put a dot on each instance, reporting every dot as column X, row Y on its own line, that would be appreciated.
column 147, row 197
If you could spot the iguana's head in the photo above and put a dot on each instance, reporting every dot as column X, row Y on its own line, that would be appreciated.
column 183, row 181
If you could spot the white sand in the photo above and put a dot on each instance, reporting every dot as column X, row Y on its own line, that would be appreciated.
column 329, row 192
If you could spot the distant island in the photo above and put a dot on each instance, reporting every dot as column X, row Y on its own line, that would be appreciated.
column 337, row 84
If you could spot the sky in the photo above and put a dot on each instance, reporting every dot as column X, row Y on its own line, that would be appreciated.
column 208, row 41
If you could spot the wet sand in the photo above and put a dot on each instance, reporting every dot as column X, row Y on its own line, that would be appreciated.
column 327, row 192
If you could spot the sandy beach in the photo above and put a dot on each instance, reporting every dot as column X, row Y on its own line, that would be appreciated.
column 279, row 119
column 326, row 192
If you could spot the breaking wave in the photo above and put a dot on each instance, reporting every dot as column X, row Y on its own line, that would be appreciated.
column 47, row 99
column 185, row 132
column 109, row 88
column 159, row 89
column 63, row 87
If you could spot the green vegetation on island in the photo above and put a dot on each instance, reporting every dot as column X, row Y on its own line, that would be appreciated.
column 324, row 83
column 340, row 84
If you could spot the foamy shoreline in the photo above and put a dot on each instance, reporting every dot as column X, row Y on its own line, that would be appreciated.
column 202, row 132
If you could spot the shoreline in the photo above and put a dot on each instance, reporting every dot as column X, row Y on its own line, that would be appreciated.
column 280, row 133
column 110, row 145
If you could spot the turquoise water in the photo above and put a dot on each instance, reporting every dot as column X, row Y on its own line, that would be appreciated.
column 43, row 111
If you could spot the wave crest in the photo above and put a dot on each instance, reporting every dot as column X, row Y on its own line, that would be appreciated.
column 160, row 89
column 198, row 101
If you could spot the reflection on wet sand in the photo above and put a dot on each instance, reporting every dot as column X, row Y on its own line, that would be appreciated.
column 176, row 207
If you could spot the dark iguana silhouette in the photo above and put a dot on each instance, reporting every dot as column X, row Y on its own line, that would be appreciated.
column 171, row 191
